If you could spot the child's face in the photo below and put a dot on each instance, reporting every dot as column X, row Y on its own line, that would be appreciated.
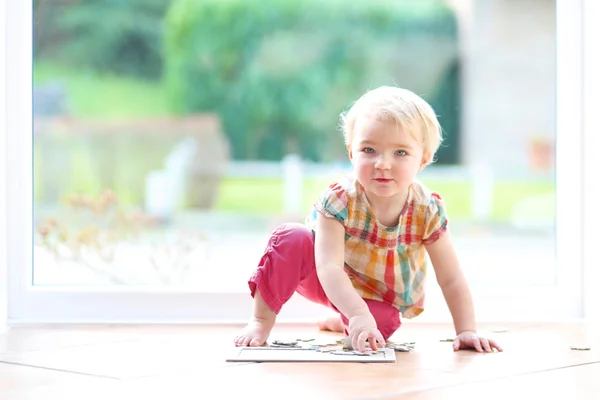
column 386, row 159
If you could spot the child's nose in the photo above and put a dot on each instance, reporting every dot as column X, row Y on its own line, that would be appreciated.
column 383, row 162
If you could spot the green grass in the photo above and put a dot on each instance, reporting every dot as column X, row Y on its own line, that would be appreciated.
column 91, row 94
column 266, row 194
column 234, row 195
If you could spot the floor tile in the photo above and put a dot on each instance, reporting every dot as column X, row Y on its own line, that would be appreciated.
column 22, row 382
column 579, row 383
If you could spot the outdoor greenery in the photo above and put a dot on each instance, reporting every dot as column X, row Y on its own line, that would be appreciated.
column 118, row 96
column 279, row 73
column 113, row 95
column 110, row 36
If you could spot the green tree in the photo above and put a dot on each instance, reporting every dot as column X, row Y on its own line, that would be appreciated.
column 279, row 73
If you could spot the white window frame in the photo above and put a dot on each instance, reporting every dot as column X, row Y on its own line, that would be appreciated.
column 591, row 144
column 3, row 231
column 29, row 304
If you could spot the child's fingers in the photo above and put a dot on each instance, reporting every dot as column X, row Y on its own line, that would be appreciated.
column 355, row 341
column 456, row 344
column 373, row 343
column 362, row 338
column 485, row 344
column 477, row 345
column 494, row 345
column 375, row 338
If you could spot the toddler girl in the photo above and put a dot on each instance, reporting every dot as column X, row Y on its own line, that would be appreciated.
column 362, row 251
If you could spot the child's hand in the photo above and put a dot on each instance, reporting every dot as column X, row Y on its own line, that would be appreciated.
column 469, row 340
column 362, row 328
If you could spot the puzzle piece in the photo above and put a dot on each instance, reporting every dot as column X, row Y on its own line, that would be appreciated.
column 402, row 347
column 281, row 343
column 355, row 353
column 584, row 348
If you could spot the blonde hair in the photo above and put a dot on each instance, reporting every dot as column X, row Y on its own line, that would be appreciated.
column 408, row 110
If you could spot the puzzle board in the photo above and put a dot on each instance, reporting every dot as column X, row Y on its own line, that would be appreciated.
column 279, row 354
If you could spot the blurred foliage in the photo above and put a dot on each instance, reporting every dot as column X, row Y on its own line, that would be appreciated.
column 446, row 102
column 279, row 72
column 96, row 228
column 104, row 225
column 119, row 36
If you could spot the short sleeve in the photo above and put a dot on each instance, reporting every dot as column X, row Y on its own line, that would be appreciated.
column 333, row 203
column 436, row 221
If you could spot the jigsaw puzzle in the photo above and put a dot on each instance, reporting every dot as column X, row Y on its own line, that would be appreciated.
column 299, row 354
column 314, row 351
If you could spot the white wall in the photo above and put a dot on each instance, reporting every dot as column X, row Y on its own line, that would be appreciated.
column 509, row 78
column 3, row 258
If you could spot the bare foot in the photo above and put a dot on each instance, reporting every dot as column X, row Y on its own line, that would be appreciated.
column 333, row 324
column 255, row 333
column 258, row 329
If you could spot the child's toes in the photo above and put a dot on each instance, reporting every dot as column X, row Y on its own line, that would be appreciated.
column 246, row 341
column 333, row 324
column 255, row 343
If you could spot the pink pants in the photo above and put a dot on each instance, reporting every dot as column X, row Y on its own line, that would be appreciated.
column 288, row 265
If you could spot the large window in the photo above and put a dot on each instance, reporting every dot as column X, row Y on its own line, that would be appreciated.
column 154, row 146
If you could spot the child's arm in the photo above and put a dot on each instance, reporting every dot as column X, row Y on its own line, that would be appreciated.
column 457, row 294
column 329, row 260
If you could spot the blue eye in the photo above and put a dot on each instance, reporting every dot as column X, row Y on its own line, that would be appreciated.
column 368, row 150
column 400, row 153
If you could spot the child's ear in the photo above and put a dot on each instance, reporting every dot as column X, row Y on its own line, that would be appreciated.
column 424, row 163
column 349, row 152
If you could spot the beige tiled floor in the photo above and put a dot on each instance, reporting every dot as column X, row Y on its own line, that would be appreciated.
column 181, row 362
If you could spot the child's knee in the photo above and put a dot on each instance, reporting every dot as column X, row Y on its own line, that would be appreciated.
column 388, row 328
column 293, row 234
column 290, row 248
column 294, row 229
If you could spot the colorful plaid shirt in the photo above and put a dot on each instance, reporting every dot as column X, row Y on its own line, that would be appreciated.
column 385, row 263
